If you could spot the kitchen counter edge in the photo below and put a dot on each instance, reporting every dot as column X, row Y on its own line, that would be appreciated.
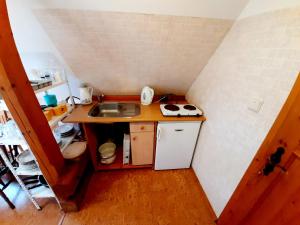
column 150, row 113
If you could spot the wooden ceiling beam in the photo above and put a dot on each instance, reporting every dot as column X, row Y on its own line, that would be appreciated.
column 21, row 100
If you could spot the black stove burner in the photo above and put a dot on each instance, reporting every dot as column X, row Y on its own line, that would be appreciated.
column 171, row 107
column 189, row 107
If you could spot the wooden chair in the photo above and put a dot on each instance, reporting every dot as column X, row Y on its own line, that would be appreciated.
column 3, row 171
column 3, row 117
column 11, row 152
column 14, row 149
column 6, row 199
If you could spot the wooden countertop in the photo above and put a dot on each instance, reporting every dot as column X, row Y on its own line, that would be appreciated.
column 149, row 113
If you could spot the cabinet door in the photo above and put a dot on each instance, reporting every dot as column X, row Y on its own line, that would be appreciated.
column 175, row 144
column 142, row 148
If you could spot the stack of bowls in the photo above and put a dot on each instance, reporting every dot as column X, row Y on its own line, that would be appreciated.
column 107, row 153
column 65, row 130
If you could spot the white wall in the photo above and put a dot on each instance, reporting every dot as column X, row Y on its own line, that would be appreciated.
column 225, row 9
column 255, row 7
column 259, row 58
column 36, row 50
column 120, row 53
column 39, row 50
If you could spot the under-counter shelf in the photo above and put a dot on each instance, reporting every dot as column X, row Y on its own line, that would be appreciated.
column 118, row 163
column 42, row 192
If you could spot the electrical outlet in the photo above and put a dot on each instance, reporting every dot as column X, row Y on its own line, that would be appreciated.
column 255, row 104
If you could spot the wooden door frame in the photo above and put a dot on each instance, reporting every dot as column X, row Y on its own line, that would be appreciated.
column 241, row 204
column 23, row 105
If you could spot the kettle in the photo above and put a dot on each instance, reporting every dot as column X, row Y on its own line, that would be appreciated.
column 86, row 94
column 147, row 95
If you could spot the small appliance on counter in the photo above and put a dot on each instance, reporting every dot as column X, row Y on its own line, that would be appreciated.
column 86, row 94
column 180, row 110
column 51, row 100
column 147, row 95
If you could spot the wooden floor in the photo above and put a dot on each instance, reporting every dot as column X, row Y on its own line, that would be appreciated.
column 131, row 197
column 25, row 213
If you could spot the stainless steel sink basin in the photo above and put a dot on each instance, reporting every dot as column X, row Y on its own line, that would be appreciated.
column 115, row 109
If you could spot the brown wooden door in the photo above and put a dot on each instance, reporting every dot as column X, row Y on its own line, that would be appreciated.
column 281, row 204
column 264, row 199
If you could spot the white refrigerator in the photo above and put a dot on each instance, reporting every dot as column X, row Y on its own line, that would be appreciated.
column 175, row 144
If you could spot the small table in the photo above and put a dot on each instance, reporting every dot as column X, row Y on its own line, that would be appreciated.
column 3, row 106
column 12, row 141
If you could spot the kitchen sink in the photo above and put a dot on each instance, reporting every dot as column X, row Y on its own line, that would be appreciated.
column 115, row 109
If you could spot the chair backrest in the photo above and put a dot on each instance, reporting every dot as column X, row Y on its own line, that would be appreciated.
column 3, row 117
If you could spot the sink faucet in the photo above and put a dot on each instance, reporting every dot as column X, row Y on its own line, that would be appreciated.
column 100, row 97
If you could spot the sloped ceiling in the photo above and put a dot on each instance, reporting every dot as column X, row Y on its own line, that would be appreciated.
column 122, row 52
column 120, row 46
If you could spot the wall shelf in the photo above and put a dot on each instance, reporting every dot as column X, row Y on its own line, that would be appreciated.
column 54, row 121
column 50, row 87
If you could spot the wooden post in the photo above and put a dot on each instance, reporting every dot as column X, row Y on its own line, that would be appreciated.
column 20, row 98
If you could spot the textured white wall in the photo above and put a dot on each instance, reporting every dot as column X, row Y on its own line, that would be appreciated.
column 119, row 53
column 36, row 49
column 225, row 9
column 255, row 7
column 258, row 59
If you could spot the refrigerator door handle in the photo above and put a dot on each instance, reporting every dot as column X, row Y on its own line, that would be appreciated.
column 178, row 130
column 158, row 135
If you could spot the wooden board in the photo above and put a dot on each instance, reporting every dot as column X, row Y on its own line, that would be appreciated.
column 149, row 113
column 143, row 197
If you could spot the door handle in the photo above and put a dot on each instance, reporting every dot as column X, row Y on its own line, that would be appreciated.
column 269, row 167
column 273, row 161
column 293, row 157
column 158, row 133
column 178, row 130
